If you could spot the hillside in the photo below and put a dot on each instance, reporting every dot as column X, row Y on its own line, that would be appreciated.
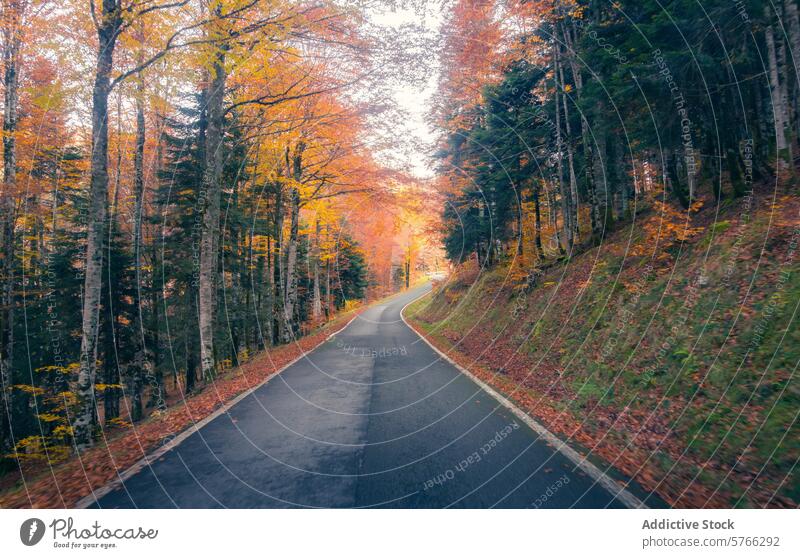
column 668, row 350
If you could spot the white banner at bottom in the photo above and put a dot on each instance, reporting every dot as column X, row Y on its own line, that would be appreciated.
column 388, row 533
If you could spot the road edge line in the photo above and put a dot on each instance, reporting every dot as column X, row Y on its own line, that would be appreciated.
column 594, row 472
column 174, row 442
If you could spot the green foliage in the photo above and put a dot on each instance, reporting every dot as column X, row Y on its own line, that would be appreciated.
column 351, row 268
column 641, row 84
column 722, row 390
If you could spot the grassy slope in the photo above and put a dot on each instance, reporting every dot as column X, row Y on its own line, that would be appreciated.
column 681, row 374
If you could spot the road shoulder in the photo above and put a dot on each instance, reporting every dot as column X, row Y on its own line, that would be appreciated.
column 493, row 385
column 82, row 479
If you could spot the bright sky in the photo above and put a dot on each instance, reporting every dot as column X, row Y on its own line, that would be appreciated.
column 414, row 98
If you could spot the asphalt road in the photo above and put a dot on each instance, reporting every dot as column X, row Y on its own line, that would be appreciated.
column 373, row 417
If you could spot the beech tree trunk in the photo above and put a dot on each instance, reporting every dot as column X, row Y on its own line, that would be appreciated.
column 588, row 151
column 107, row 30
column 785, row 76
column 573, row 178
column 158, row 392
column 783, row 80
column 591, row 190
column 11, row 42
column 328, row 300
column 552, row 213
column 290, row 291
column 271, row 301
column 537, row 223
column 191, row 341
column 316, row 310
column 210, row 191
column 566, row 205
column 793, row 21
column 276, row 267
column 778, row 106
column 625, row 184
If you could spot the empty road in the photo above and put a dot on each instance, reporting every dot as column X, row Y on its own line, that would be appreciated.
column 372, row 417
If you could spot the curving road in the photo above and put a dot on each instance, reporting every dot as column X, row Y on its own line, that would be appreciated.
column 373, row 417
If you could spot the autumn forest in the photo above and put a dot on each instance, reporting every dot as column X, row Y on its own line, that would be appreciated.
column 601, row 195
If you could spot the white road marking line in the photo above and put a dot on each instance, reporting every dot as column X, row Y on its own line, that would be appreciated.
column 601, row 478
column 153, row 456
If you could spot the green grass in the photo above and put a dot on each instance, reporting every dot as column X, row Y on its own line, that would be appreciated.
column 720, row 402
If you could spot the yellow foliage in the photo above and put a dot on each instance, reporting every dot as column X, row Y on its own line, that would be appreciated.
column 68, row 397
column 117, row 421
column 668, row 226
column 33, row 390
column 36, row 448
column 224, row 364
column 104, row 387
column 69, row 368
column 62, row 430
column 351, row 304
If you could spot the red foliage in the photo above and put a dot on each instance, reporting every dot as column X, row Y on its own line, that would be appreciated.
column 64, row 485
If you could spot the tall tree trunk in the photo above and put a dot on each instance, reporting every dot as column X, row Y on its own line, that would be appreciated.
column 328, row 301
column 110, row 368
column 674, row 177
column 785, row 73
column 11, row 43
column 778, row 106
column 159, row 394
column 142, row 366
column 573, row 178
column 211, row 191
column 108, row 325
column 552, row 214
column 276, row 266
column 269, row 338
column 793, row 21
column 566, row 206
column 537, row 224
column 591, row 190
column 603, row 189
column 264, row 283
column 761, row 106
column 479, row 251
column 290, row 292
column 316, row 310
column 233, row 307
column 624, row 180
column 246, row 279
column 588, row 155
column 108, row 27
column 191, row 338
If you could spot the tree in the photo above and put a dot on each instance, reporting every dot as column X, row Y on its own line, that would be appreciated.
column 13, row 15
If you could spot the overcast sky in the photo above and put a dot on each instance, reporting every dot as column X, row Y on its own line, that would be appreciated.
column 414, row 98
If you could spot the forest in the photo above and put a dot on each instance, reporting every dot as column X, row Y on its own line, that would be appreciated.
column 621, row 211
column 608, row 216
column 186, row 184
column 564, row 119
